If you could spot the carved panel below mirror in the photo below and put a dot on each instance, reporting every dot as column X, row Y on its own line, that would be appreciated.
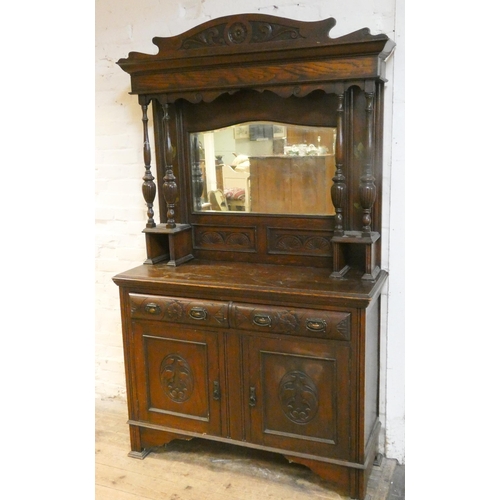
column 264, row 167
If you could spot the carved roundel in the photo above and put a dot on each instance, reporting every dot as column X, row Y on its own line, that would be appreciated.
column 237, row 33
column 298, row 397
column 176, row 378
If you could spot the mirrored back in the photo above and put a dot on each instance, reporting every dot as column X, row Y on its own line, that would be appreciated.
column 264, row 167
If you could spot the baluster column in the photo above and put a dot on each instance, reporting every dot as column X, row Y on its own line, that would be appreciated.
column 169, row 181
column 197, row 174
column 367, row 189
column 338, row 190
column 148, row 186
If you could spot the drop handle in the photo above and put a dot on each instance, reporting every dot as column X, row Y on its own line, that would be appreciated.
column 216, row 393
column 152, row 308
column 198, row 313
column 253, row 397
column 262, row 320
column 316, row 325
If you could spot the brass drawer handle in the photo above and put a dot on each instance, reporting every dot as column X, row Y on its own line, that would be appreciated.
column 316, row 325
column 198, row 313
column 152, row 308
column 262, row 320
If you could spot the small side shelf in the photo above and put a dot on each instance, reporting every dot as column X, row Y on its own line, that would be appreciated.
column 341, row 244
column 165, row 243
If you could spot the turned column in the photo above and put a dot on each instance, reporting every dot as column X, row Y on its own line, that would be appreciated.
column 344, row 239
column 197, row 174
column 367, row 189
column 338, row 190
column 169, row 181
column 148, row 186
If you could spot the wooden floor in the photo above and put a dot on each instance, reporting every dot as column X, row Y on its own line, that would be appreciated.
column 205, row 470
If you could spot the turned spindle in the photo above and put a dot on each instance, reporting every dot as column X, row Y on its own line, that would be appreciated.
column 148, row 186
column 197, row 174
column 169, row 181
column 367, row 189
column 338, row 190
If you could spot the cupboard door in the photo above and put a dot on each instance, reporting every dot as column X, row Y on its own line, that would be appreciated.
column 298, row 395
column 178, row 376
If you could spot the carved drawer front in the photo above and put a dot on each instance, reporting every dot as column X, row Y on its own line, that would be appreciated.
column 176, row 310
column 308, row 322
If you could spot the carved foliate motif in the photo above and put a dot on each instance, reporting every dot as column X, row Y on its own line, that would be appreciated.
column 176, row 378
column 231, row 240
column 241, row 32
column 174, row 311
column 238, row 239
column 288, row 321
column 211, row 238
column 317, row 244
column 305, row 244
column 298, row 397
column 207, row 38
column 288, row 242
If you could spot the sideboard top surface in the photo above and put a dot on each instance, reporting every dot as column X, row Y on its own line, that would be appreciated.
column 233, row 280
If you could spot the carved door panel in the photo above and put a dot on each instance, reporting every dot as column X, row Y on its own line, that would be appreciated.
column 177, row 373
column 299, row 397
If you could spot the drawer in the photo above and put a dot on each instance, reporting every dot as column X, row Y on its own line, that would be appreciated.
column 177, row 310
column 304, row 322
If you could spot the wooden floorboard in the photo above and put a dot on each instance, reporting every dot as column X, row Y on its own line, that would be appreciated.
column 206, row 470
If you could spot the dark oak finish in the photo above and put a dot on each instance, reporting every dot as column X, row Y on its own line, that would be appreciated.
column 252, row 328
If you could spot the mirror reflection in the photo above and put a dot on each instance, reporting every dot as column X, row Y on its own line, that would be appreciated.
column 264, row 167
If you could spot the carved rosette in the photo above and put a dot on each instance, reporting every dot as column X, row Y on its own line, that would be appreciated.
column 240, row 32
column 176, row 378
column 237, row 33
column 298, row 397
column 174, row 311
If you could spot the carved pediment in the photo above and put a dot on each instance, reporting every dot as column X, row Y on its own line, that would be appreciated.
column 253, row 33
column 256, row 51
column 247, row 31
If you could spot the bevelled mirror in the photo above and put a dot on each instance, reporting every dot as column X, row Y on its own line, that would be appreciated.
column 264, row 167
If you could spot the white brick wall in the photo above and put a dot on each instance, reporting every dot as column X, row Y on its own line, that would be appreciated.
column 127, row 25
